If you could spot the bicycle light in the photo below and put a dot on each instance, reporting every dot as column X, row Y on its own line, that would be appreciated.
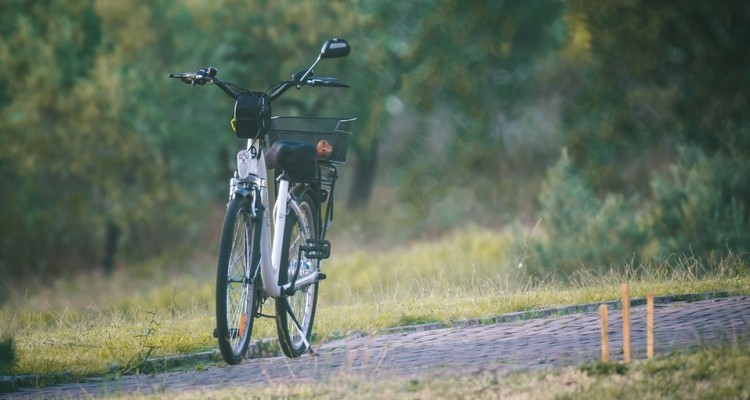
column 243, row 164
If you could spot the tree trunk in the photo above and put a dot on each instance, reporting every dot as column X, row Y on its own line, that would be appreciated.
column 110, row 247
column 364, row 179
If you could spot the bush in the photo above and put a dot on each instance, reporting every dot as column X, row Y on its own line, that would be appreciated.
column 701, row 206
column 581, row 229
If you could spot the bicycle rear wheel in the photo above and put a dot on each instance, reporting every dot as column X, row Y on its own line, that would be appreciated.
column 298, row 230
column 236, row 295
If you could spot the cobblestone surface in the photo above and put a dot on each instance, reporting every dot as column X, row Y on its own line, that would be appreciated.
column 543, row 343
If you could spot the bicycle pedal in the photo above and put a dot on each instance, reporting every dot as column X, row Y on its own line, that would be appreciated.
column 321, row 276
column 317, row 249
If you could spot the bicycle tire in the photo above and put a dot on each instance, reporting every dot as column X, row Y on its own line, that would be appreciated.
column 236, row 286
column 304, row 300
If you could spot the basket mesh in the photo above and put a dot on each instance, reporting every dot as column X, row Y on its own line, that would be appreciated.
column 335, row 131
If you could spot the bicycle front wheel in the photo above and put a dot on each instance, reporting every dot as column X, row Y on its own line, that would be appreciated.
column 300, row 306
column 236, row 283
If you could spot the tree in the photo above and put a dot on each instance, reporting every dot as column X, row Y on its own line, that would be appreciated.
column 470, row 65
column 282, row 38
column 80, row 158
column 660, row 73
column 36, row 152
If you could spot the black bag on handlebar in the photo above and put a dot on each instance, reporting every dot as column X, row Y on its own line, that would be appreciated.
column 252, row 115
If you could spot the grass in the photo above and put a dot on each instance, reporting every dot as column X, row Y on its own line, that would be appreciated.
column 91, row 325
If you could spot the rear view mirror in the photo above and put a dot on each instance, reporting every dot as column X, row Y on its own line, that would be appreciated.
column 335, row 48
column 332, row 48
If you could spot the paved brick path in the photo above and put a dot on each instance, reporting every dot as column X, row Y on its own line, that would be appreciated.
column 522, row 345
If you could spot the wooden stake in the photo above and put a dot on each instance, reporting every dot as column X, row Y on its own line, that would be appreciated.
column 625, row 323
column 650, row 325
column 605, row 332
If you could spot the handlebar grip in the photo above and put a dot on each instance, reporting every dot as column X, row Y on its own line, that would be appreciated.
column 326, row 81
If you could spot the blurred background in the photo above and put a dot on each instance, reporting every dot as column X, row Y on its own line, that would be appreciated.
column 595, row 132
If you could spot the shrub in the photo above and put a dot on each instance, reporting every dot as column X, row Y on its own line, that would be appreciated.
column 701, row 206
column 580, row 229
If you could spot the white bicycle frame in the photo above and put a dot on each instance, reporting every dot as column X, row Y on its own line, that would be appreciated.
column 251, row 170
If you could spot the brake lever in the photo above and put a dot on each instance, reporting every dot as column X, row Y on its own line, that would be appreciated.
column 201, row 76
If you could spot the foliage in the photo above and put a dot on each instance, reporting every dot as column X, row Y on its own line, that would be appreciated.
column 581, row 229
column 79, row 155
column 461, row 109
column 701, row 203
column 99, row 144
column 469, row 75
column 656, row 74
column 642, row 76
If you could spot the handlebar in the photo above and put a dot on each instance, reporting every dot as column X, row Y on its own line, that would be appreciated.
column 332, row 48
column 208, row 75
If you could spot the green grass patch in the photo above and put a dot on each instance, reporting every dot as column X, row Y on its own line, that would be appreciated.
column 89, row 325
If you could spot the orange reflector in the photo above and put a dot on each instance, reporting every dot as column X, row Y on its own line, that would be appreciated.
column 242, row 324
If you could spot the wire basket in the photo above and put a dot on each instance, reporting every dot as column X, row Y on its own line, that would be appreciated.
column 335, row 131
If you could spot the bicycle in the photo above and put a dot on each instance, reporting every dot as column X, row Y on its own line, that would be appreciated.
column 279, row 256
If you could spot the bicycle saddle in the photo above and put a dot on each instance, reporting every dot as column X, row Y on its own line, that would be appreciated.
column 298, row 159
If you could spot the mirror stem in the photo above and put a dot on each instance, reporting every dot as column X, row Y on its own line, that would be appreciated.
column 309, row 70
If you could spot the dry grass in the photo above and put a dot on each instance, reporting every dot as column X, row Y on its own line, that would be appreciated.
column 93, row 326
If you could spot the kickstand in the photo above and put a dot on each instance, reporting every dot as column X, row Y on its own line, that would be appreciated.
column 299, row 328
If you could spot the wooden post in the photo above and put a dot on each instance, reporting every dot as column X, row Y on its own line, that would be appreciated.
column 650, row 325
column 605, row 332
column 625, row 323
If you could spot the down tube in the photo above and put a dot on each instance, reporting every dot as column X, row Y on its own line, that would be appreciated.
column 270, row 270
column 268, row 273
